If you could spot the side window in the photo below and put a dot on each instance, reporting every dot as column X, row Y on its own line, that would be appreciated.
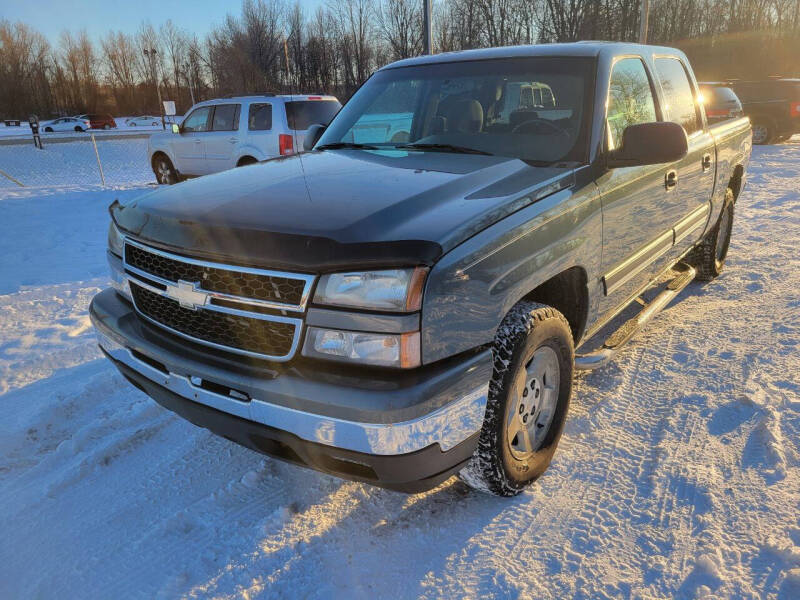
column 681, row 107
column 197, row 120
column 259, row 117
column 226, row 117
column 630, row 99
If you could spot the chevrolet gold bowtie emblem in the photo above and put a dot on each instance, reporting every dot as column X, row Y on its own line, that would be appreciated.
column 187, row 294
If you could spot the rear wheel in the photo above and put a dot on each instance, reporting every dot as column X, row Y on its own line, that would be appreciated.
column 78, row 128
column 763, row 131
column 164, row 171
column 528, row 400
column 50, row 129
column 708, row 257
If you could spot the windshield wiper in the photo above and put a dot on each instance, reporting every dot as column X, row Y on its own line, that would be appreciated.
column 444, row 148
column 346, row 145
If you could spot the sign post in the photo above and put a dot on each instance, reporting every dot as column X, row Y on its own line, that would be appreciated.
column 33, row 121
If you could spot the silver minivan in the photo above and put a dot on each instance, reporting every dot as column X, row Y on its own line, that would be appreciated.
column 216, row 135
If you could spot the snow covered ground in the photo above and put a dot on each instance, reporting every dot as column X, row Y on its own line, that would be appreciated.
column 677, row 475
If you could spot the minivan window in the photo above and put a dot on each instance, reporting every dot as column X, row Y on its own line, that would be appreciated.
column 681, row 107
column 259, row 117
column 302, row 114
column 197, row 120
column 630, row 99
column 226, row 117
column 483, row 106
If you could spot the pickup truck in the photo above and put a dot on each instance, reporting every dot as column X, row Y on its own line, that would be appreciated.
column 396, row 312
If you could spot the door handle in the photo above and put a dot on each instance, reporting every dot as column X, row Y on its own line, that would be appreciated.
column 671, row 179
column 706, row 162
column 233, row 140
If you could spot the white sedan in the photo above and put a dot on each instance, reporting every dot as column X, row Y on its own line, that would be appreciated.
column 143, row 121
column 65, row 124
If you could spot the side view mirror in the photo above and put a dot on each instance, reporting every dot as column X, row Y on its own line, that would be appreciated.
column 176, row 128
column 312, row 136
column 649, row 144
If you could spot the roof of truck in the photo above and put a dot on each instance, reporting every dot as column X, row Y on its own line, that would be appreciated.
column 578, row 49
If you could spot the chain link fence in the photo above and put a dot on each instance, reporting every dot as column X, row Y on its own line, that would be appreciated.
column 88, row 159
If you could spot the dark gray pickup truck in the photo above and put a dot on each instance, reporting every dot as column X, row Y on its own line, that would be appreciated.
column 409, row 299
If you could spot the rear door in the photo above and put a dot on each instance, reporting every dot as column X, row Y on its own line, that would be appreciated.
column 187, row 146
column 637, row 216
column 690, row 200
column 258, row 131
column 223, row 139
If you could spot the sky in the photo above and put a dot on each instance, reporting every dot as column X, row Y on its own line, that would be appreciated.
column 51, row 17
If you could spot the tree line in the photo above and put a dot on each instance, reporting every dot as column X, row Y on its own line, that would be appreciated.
column 276, row 46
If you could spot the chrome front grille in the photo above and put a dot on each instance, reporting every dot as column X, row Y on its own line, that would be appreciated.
column 255, row 312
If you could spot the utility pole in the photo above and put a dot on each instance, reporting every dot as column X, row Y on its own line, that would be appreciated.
column 643, row 21
column 188, row 69
column 427, row 46
column 151, row 55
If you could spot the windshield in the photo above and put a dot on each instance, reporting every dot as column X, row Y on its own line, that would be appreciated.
column 534, row 109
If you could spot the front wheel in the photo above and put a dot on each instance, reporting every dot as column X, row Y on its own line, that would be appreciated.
column 164, row 171
column 528, row 400
column 50, row 129
column 708, row 257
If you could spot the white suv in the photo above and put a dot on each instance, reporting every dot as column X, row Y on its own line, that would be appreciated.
column 230, row 132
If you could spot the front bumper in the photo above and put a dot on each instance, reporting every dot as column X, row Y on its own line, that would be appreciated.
column 402, row 430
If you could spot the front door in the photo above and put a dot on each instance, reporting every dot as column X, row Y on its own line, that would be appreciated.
column 637, row 201
column 222, row 140
column 187, row 146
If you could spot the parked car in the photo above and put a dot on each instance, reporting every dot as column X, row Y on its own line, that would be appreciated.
column 143, row 121
column 396, row 312
column 721, row 103
column 217, row 135
column 773, row 106
column 99, row 121
column 65, row 124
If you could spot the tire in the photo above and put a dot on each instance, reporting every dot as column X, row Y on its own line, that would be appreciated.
column 708, row 257
column 763, row 131
column 50, row 129
column 164, row 171
column 246, row 160
column 533, row 341
column 131, row 124
column 77, row 128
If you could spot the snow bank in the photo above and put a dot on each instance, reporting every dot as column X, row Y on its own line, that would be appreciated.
column 677, row 475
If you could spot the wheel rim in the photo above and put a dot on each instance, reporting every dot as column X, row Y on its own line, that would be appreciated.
column 163, row 171
column 723, row 235
column 535, row 399
column 759, row 133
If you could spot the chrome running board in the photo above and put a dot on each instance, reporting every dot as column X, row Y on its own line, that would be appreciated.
column 617, row 340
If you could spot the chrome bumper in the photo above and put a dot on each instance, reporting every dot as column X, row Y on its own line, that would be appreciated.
column 446, row 426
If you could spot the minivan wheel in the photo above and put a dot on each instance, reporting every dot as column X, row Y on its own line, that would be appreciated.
column 708, row 257
column 528, row 400
column 164, row 171
column 762, row 132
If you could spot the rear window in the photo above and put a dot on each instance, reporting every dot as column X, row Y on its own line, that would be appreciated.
column 302, row 114
column 717, row 94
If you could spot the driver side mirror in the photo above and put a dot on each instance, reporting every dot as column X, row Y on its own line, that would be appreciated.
column 312, row 136
column 649, row 144
column 176, row 128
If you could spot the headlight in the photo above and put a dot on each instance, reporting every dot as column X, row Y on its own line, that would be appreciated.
column 379, row 349
column 396, row 290
column 114, row 239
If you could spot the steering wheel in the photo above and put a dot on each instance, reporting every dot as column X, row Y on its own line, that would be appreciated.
column 538, row 123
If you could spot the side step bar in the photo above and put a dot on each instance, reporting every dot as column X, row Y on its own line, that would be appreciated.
column 617, row 340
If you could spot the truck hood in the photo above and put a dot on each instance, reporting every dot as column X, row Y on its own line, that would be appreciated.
column 338, row 209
